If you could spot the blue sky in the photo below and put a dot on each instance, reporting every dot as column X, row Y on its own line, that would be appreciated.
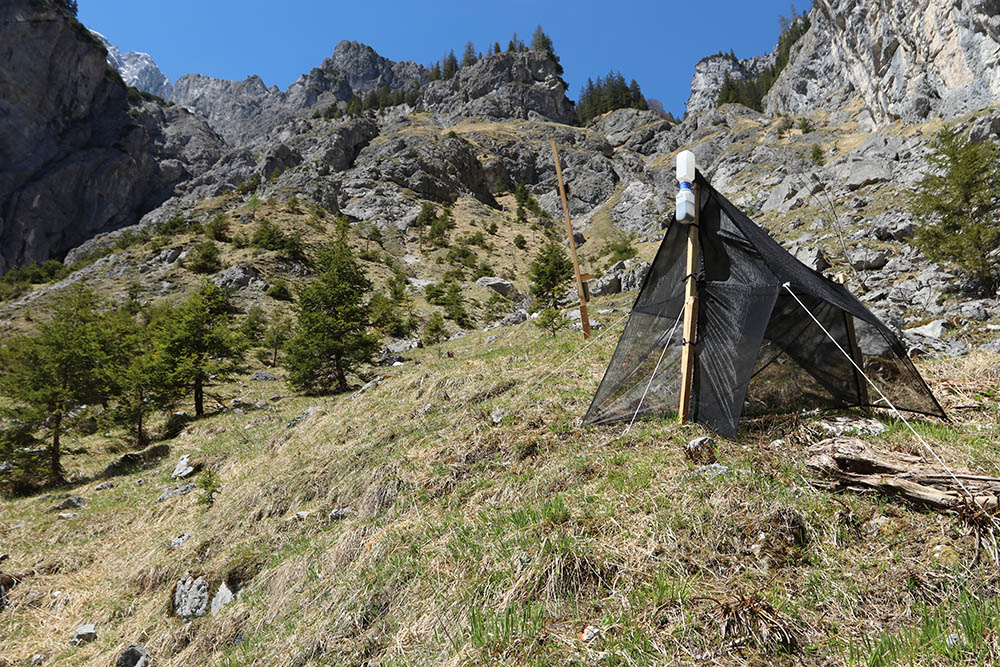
column 657, row 43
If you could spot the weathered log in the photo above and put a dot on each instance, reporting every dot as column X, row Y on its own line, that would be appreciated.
column 854, row 464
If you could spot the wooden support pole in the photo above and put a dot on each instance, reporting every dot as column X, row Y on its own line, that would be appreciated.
column 584, row 320
column 690, row 313
column 855, row 350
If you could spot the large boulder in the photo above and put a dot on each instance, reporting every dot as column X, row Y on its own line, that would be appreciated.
column 190, row 597
column 503, row 287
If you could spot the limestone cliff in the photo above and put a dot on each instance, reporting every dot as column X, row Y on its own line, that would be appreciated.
column 905, row 59
column 77, row 155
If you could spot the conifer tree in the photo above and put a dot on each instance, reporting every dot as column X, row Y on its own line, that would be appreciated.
column 957, row 203
column 541, row 42
column 45, row 375
column 450, row 67
column 136, row 372
column 469, row 57
column 549, row 271
column 332, row 332
column 199, row 343
column 275, row 337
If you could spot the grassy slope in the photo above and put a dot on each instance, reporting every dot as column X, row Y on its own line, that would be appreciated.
column 476, row 542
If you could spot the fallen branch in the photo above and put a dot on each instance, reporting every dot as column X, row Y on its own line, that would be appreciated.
column 855, row 465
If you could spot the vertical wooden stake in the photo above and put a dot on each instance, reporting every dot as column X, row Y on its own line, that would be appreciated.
column 690, row 314
column 584, row 320
column 855, row 350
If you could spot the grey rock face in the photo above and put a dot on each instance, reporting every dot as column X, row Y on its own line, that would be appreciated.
column 191, row 597
column 133, row 656
column 240, row 277
column 906, row 59
column 633, row 273
column 502, row 86
column 624, row 276
column 499, row 285
column 935, row 329
column 628, row 126
column 263, row 376
column 860, row 173
column 237, row 110
column 222, row 597
column 246, row 111
column 401, row 346
column 433, row 169
column 812, row 257
column 137, row 69
column 366, row 70
column 711, row 72
column 640, row 208
column 82, row 161
column 518, row 316
column 869, row 260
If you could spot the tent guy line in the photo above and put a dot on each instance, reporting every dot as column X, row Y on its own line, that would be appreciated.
column 670, row 337
column 965, row 490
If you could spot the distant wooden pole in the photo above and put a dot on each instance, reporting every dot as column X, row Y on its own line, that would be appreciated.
column 852, row 338
column 584, row 320
column 690, row 314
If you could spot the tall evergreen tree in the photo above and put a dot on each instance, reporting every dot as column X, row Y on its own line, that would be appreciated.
column 199, row 343
column 541, row 42
column 332, row 333
column 45, row 375
column 136, row 372
column 469, row 57
column 450, row 66
column 549, row 271
column 958, row 204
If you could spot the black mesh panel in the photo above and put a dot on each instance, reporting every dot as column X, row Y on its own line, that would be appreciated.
column 757, row 349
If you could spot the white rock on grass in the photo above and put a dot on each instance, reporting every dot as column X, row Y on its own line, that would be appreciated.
column 183, row 468
column 191, row 597
column 222, row 597
column 85, row 633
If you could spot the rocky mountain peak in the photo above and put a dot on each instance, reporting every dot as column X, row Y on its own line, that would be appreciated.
column 366, row 70
column 711, row 72
column 137, row 69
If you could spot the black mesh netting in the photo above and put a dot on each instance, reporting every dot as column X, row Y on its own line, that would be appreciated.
column 756, row 349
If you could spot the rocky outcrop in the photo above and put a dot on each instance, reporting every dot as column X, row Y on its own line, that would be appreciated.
column 137, row 69
column 711, row 72
column 79, row 156
column 237, row 110
column 503, row 86
column 905, row 59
